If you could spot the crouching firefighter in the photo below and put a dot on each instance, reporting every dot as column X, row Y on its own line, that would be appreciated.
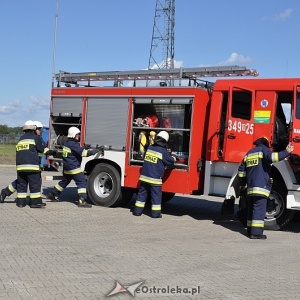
column 152, row 172
column 72, row 158
column 254, row 172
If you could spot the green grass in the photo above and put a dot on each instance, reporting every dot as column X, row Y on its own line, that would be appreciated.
column 7, row 154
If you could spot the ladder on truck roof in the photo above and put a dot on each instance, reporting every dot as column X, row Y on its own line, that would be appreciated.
column 155, row 74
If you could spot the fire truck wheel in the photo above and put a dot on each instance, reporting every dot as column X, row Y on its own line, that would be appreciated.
column 277, row 216
column 167, row 196
column 104, row 186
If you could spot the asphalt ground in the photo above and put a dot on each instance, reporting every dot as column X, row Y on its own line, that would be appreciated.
column 193, row 252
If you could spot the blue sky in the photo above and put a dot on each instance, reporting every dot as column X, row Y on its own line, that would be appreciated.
column 107, row 35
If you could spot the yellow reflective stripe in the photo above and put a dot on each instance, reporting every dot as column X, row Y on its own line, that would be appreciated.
column 22, row 195
column 242, row 174
column 155, row 153
column 11, row 188
column 249, row 222
column 59, row 188
column 156, row 207
column 140, row 204
column 257, row 223
column 84, row 153
column 81, row 191
column 72, row 172
column 66, row 149
column 275, row 157
column 150, row 180
column 35, row 195
column 258, row 190
column 28, row 168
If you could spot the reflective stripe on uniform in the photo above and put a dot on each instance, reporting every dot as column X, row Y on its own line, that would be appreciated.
column 242, row 174
column 275, row 157
column 139, row 204
column 156, row 207
column 257, row 223
column 22, row 195
column 72, row 172
column 81, row 191
column 58, row 187
column 11, row 188
column 151, row 180
column 84, row 153
column 35, row 195
column 28, row 168
column 258, row 191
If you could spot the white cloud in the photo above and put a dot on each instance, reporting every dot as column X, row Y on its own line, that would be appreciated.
column 281, row 16
column 236, row 58
column 17, row 112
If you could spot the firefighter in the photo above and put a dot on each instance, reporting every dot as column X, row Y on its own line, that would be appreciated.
column 12, row 187
column 254, row 171
column 28, row 167
column 72, row 157
column 152, row 172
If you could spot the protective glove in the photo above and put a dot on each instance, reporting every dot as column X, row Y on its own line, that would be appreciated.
column 93, row 151
column 47, row 151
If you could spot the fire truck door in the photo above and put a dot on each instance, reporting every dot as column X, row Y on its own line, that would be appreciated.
column 239, row 128
column 295, row 122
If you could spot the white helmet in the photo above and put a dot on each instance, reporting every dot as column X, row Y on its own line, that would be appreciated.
column 163, row 134
column 72, row 132
column 38, row 124
column 29, row 125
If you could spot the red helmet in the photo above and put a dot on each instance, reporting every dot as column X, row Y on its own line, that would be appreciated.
column 152, row 121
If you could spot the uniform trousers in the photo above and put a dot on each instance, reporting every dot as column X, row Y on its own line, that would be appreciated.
column 256, row 212
column 156, row 194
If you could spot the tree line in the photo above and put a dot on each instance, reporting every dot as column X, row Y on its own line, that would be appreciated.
column 4, row 129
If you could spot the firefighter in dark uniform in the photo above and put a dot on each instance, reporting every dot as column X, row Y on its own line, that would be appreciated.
column 254, row 172
column 156, row 159
column 12, row 187
column 72, row 158
column 28, row 167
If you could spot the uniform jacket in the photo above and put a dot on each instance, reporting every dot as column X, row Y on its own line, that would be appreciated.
column 156, row 158
column 27, row 152
column 72, row 156
column 255, row 169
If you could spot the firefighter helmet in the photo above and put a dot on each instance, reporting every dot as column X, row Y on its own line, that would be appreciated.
column 29, row 125
column 38, row 124
column 163, row 134
column 262, row 141
column 72, row 132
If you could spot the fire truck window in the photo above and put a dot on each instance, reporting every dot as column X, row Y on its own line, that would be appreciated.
column 241, row 105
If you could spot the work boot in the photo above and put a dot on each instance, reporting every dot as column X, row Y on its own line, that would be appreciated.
column 258, row 237
column 83, row 203
column 136, row 214
column 2, row 196
column 39, row 205
column 157, row 217
column 52, row 197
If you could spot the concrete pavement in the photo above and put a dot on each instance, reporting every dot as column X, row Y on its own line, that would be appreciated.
column 66, row 252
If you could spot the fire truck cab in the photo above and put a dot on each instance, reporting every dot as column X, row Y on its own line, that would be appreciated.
column 211, row 127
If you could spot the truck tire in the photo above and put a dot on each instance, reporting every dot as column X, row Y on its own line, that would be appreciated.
column 104, row 186
column 277, row 216
column 167, row 196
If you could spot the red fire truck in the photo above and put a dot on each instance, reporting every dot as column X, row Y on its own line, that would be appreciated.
column 211, row 126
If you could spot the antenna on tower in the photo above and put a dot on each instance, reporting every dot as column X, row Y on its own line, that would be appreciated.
column 163, row 37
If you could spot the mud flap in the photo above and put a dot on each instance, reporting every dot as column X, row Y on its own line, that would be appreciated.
column 228, row 206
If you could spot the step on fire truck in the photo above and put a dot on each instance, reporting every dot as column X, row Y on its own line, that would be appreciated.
column 211, row 127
